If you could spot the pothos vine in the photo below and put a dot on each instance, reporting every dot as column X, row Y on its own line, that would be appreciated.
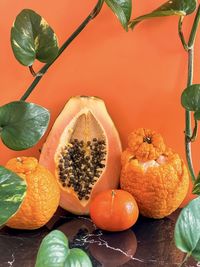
column 23, row 124
column 187, row 236
column 187, row 230
column 38, row 76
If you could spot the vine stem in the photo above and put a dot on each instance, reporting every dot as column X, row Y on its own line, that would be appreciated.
column 195, row 131
column 185, row 259
column 188, row 131
column 32, row 71
column 181, row 35
column 44, row 69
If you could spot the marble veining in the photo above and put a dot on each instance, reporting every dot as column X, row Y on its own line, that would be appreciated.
column 101, row 242
column 148, row 244
column 12, row 261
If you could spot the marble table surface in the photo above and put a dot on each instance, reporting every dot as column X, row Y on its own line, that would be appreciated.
column 149, row 243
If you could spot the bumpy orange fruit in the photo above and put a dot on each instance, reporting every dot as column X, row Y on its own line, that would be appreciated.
column 153, row 174
column 42, row 197
column 146, row 144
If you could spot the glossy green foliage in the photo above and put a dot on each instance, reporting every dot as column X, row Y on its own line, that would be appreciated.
column 197, row 115
column 170, row 8
column 77, row 257
column 22, row 124
column 187, row 229
column 190, row 98
column 122, row 9
column 196, row 188
column 54, row 251
column 12, row 193
column 32, row 38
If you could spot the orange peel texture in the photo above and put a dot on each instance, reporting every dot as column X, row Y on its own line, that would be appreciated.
column 42, row 197
column 158, row 180
column 146, row 144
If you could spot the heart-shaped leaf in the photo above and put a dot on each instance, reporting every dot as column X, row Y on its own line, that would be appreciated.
column 196, row 188
column 190, row 98
column 12, row 193
column 187, row 229
column 54, row 252
column 32, row 38
column 22, row 124
column 170, row 8
column 122, row 9
column 77, row 257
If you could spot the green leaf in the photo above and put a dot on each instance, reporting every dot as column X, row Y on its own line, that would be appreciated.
column 196, row 252
column 32, row 38
column 170, row 8
column 77, row 257
column 187, row 229
column 13, row 191
column 22, row 124
column 122, row 9
column 197, row 115
column 190, row 98
column 196, row 188
column 54, row 252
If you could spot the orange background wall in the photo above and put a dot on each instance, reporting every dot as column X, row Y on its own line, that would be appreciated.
column 139, row 74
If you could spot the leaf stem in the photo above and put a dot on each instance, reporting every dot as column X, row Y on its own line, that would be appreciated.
column 188, row 131
column 194, row 28
column 180, row 24
column 44, row 69
column 33, row 73
column 195, row 131
column 185, row 259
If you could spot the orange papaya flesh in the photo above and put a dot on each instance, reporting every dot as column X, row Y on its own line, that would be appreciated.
column 83, row 149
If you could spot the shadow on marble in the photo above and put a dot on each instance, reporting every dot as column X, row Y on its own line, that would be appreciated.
column 149, row 243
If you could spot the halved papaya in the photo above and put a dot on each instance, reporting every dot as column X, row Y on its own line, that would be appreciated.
column 83, row 149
